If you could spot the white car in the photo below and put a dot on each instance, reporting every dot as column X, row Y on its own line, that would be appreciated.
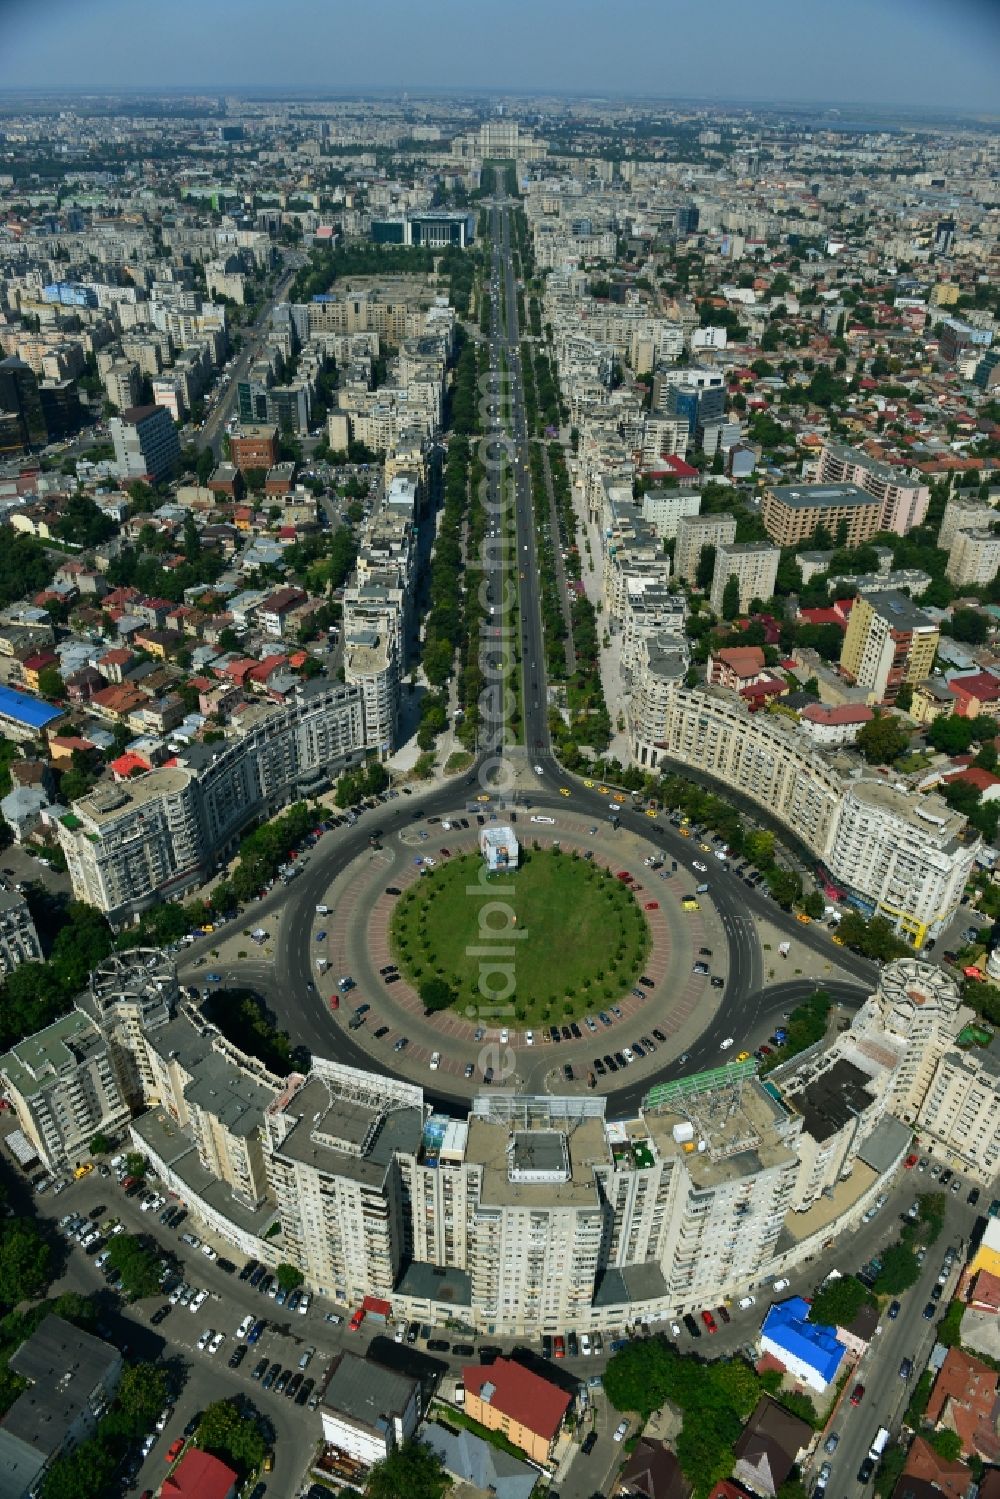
column 620, row 1430
column 164, row 1417
column 244, row 1326
column 538, row 769
column 697, row 864
column 675, row 1329
column 726, row 1044
column 206, row 1338
column 529, row 1038
column 585, row 1347
column 198, row 1301
column 781, row 1285
column 208, row 1252
column 435, row 1061
column 217, row 1341
column 303, row 1305
column 745, row 1302
column 504, row 1036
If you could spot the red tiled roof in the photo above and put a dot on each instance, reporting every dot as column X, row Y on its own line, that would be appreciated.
column 843, row 713
column 974, row 775
column 199, row 1475
column 520, row 1394
column 981, row 684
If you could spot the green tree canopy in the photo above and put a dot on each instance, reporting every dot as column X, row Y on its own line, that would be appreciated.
column 227, row 1432
column 837, row 1302
column 289, row 1277
column 136, row 1265
column 900, row 1270
column 436, row 994
column 882, row 740
column 24, row 1261
column 731, row 598
column 412, row 1471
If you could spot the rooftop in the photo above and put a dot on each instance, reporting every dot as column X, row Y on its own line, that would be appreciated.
column 367, row 1391
column 821, row 496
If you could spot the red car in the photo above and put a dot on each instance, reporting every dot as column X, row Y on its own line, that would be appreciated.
column 559, row 1346
column 446, row 853
column 652, row 905
column 910, row 1162
column 334, row 1002
column 709, row 1321
column 175, row 1449
column 623, row 874
column 857, row 1394
column 357, row 1319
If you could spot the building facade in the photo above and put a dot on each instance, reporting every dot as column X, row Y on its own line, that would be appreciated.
column 754, row 565
column 888, row 641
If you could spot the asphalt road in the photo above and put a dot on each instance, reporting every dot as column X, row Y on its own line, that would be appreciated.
column 214, row 428
column 909, row 1336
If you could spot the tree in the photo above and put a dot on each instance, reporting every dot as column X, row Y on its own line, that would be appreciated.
column 137, row 1267
column 838, row 1302
column 84, row 1473
column 882, row 740
column 142, row 1394
column 50, row 683
column 412, row 1471
column 289, row 1277
column 226, row 1431
column 100, row 1144
column 436, row 994
column 813, row 905
column 946, row 1443
column 731, row 598
column 24, row 1261
column 900, row 1270
column 228, row 639
column 874, row 939
column 904, row 697
column 969, row 625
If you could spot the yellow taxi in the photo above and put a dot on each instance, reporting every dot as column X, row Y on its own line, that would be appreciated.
column 618, row 797
column 690, row 904
column 650, row 811
column 483, row 798
column 589, row 785
column 801, row 916
column 602, row 790
column 705, row 848
column 565, row 791
column 839, row 941
column 684, row 832
column 82, row 1171
column 742, row 1056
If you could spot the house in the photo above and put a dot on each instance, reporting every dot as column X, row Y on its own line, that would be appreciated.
column 21, row 810
column 653, row 1472
column 199, row 1475
column 736, row 667
column 806, row 1349
column 975, row 695
column 925, row 1473
column 277, row 607
column 476, row 1462
column 769, row 1446
column 964, row 1399
column 829, row 725
column 367, row 1410
column 505, row 1396
column 72, row 1378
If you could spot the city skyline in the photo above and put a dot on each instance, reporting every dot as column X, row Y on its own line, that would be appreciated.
column 779, row 52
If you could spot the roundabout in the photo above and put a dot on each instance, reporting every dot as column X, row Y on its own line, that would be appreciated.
column 575, row 933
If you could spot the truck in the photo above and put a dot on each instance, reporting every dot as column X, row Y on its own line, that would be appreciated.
column 879, row 1443
column 784, row 948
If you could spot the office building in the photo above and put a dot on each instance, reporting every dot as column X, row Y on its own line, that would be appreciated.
column 754, row 565
column 436, row 229
column 122, row 384
column 146, row 443
column 254, row 447
column 903, row 500
column 63, row 1086
column 18, row 938
column 958, row 337
column 793, row 513
column 973, row 558
column 61, row 408
column 694, row 533
column 71, row 1378
column 888, row 641
column 21, row 403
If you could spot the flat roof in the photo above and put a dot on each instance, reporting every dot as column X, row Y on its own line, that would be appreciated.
column 817, row 496
column 833, row 1099
column 587, row 1148
column 367, row 1391
column 429, row 1282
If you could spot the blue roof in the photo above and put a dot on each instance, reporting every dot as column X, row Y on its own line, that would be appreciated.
column 31, row 711
column 816, row 1345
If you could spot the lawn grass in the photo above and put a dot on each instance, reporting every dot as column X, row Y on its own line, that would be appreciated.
column 579, row 940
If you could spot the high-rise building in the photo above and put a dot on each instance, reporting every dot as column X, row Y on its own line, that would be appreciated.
column 754, row 565
column 695, row 532
column 888, row 641
column 793, row 513
column 973, row 558
column 963, row 513
column 146, row 443
column 904, row 500
column 20, row 401
column 18, row 938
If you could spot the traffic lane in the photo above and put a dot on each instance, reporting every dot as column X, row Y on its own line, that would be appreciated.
column 909, row 1336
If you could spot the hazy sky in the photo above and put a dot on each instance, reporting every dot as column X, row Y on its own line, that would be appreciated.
column 934, row 52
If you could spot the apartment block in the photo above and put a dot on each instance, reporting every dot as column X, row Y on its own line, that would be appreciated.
column 122, row 384
column 63, row 1086
column 663, row 508
column 973, row 558
column 963, row 513
column 901, row 857
column 960, row 1113
column 694, row 532
column 793, row 513
column 888, row 641
column 754, row 565
column 131, row 996
column 903, row 500
column 18, row 938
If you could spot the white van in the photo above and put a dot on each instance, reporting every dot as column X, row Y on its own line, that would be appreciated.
column 549, row 820
column 322, row 910
column 700, row 889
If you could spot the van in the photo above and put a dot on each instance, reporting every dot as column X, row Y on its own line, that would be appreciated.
column 322, row 910
column 700, row 889
column 549, row 820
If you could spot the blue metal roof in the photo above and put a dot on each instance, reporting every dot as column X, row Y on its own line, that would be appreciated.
column 31, row 711
column 816, row 1345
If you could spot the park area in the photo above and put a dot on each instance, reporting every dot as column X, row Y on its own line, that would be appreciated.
column 571, row 934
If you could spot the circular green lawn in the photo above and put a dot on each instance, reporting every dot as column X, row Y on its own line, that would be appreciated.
column 552, row 940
